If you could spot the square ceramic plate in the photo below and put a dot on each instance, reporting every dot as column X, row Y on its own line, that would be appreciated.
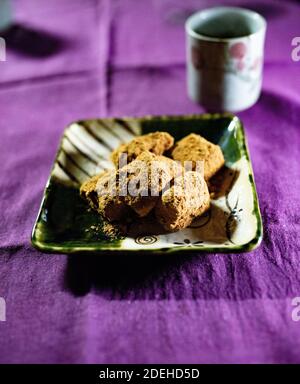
column 66, row 225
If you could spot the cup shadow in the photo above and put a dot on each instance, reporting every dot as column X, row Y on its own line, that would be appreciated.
column 269, row 11
column 178, row 16
column 32, row 42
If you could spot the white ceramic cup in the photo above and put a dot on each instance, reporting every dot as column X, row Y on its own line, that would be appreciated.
column 225, row 48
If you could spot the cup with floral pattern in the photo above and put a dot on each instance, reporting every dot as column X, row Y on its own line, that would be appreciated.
column 225, row 49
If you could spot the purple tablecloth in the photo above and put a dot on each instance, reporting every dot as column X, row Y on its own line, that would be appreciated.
column 126, row 57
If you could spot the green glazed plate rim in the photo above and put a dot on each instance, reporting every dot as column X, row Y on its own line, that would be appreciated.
column 100, row 249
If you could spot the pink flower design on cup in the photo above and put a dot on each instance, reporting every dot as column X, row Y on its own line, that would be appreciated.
column 256, row 64
column 240, row 65
column 238, row 50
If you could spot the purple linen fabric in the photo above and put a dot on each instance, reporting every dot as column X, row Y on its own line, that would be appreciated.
column 127, row 58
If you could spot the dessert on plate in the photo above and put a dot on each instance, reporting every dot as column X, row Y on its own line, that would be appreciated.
column 154, row 186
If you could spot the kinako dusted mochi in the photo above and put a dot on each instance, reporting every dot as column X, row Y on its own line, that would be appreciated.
column 195, row 148
column 172, row 207
column 157, row 171
column 185, row 200
column 88, row 190
column 111, row 207
column 108, row 192
column 156, row 142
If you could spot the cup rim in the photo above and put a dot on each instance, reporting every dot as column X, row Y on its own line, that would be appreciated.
column 190, row 31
